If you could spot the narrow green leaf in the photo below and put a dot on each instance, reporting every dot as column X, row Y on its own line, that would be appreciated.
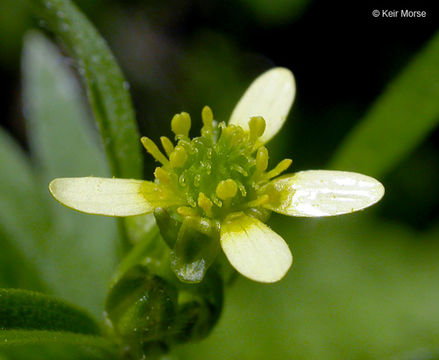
column 22, row 309
column 94, row 347
column 106, row 87
column 398, row 121
column 52, row 351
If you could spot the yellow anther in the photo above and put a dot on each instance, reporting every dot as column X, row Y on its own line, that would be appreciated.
column 207, row 117
column 181, row 124
column 262, row 159
column 167, row 145
column 256, row 126
column 152, row 148
column 205, row 204
column 226, row 189
column 187, row 211
column 161, row 175
column 178, row 157
column 280, row 168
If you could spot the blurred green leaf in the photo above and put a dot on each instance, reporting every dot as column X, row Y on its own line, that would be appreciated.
column 15, row 271
column 12, row 29
column 106, row 87
column 24, row 213
column 94, row 347
column 398, row 121
column 78, row 252
column 22, row 309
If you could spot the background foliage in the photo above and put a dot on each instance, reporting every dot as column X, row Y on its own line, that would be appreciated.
column 363, row 286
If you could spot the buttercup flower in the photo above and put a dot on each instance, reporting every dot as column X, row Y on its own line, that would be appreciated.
column 217, row 188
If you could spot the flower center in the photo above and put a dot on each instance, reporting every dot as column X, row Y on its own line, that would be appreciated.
column 220, row 172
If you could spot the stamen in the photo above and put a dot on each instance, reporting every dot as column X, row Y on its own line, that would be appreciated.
column 261, row 200
column 262, row 159
column 207, row 117
column 161, row 175
column 226, row 189
column 241, row 188
column 256, row 126
column 167, row 145
column 239, row 169
column 152, row 148
column 178, row 157
column 280, row 168
column 181, row 124
column 205, row 204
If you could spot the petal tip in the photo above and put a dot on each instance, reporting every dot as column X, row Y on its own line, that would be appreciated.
column 101, row 196
column 254, row 250
column 270, row 95
column 316, row 193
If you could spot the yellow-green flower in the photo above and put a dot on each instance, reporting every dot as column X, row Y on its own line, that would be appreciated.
column 218, row 184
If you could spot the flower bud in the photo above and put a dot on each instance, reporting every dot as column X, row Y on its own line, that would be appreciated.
column 141, row 306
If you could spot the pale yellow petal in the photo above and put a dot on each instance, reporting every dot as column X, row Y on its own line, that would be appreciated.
column 254, row 249
column 270, row 96
column 323, row 193
column 102, row 196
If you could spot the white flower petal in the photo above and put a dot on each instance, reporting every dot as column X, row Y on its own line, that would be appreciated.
column 270, row 96
column 325, row 193
column 102, row 196
column 254, row 249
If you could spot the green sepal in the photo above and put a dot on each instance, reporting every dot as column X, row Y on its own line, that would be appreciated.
column 169, row 226
column 141, row 306
column 22, row 309
column 193, row 253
